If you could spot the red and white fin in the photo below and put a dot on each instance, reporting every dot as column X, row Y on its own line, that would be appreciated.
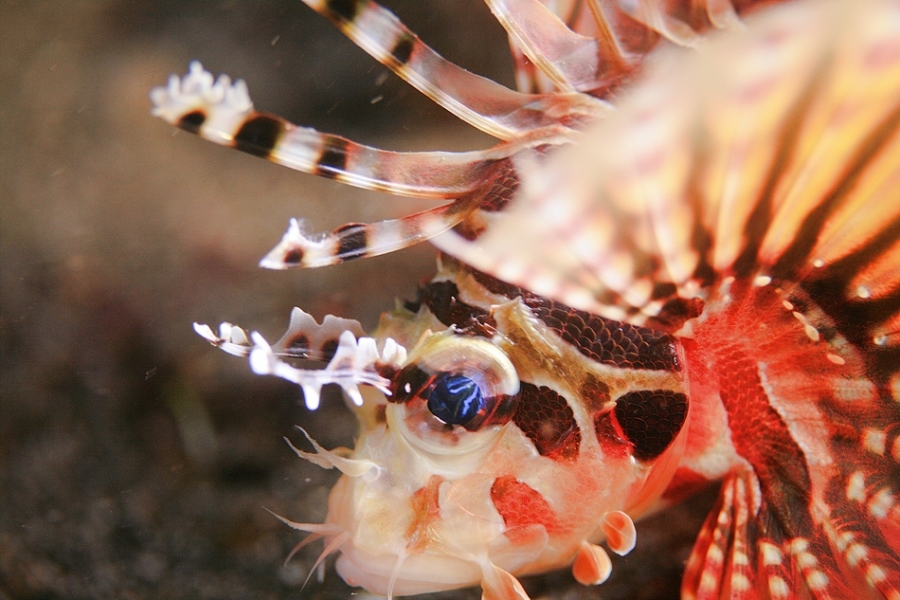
column 747, row 550
column 353, row 360
column 733, row 557
column 754, row 182
column 771, row 149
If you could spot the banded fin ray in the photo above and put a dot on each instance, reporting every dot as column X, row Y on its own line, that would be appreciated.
column 221, row 112
column 610, row 41
column 498, row 111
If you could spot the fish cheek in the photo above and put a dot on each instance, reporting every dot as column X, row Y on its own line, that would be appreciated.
column 426, row 515
column 522, row 507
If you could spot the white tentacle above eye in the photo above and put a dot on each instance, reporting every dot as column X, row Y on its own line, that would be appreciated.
column 356, row 360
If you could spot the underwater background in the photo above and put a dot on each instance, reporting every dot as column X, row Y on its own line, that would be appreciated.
column 135, row 460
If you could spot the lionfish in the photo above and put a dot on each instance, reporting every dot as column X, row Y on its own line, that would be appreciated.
column 680, row 264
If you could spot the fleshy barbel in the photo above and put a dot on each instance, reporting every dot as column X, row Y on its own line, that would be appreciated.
column 698, row 282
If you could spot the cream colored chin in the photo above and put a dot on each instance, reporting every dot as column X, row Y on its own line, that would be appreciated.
column 419, row 574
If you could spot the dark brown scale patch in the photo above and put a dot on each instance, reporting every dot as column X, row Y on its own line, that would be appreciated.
column 594, row 394
column 329, row 349
column 344, row 10
column 333, row 160
column 548, row 421
column 259, row 135
column 403, row 49
column 493, row 195
column 503, row 185
column 353, row 241
column 650, row 419
column 408, row 383
column 294, row 256
column 676, row 312
column 442, row 299
column 298, row 345
column 192, row 121
column 603, row 340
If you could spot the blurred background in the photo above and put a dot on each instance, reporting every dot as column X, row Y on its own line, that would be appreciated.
column 135, row 460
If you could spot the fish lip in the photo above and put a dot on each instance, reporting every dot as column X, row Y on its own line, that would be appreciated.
column 419, row 573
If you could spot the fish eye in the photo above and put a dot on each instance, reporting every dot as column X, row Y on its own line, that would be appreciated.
column 455, row 399
column 454, row 393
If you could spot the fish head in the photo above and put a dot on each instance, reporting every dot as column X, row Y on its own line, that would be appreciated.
column 495, row 451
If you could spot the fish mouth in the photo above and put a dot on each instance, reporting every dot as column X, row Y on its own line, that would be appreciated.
column 393, row 575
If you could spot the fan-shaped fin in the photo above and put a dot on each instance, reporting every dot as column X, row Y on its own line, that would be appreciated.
column 747, row 551
column 770, row 152
column 756, row 182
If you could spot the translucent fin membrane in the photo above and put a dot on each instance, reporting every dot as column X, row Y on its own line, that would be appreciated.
column 570, row 60
column 485, row 104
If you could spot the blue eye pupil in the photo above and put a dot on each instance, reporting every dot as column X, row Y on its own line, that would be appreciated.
column 455, row 399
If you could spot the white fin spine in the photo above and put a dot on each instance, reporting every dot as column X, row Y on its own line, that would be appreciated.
column 353, row 364
column 298, row 249
column 223, row 108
